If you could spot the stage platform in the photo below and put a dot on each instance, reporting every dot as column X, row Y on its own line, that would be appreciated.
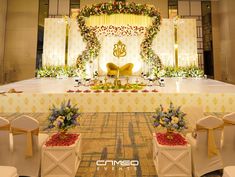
column 38, row 95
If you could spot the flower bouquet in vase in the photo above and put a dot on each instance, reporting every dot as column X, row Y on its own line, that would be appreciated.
column 173, row 119
column 63, row 118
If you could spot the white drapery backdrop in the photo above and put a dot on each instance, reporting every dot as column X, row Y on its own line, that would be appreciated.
column 163, row 45
column 54, row 41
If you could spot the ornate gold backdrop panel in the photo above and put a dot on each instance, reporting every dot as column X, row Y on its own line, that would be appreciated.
column 54, row 41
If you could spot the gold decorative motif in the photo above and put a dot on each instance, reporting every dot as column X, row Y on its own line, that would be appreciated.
column 215, row 101
column 136, row 101
column 129, row 108
column 183, row 101
column 42, row 101
column 119, row 49
column 113, row 108
column 33, row 109
column 152, row 100
column 199, row 101
column 105, row 100
column 120, row 100
column 222, row 109
column 17, row 109
column 10, row 101
column 231, row 101
column 89, row 101
column 97, row 108
column 26, row 101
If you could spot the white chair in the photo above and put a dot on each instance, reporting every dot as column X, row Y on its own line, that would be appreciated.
column 27, row 143
column 206, row 158
column 229, row 171
column 193, row 114
column 5, row 154
column 228, row 143
column 7, row 171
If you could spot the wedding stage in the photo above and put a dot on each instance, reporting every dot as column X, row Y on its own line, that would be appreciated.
column 38, row 95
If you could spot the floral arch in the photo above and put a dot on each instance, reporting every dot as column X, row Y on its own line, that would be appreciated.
column 89, row 36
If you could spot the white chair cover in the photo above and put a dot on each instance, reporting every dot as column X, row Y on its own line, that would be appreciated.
column 228, row 145
column 7, row 171
column 5, row 154
column 193, row 114
column 229, row 171
column 202, row 163
column 26, row 165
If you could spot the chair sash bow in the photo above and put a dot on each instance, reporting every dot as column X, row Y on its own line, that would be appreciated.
column 228, row 122
column 212, row 148
column 5, row 127
column 29, row 138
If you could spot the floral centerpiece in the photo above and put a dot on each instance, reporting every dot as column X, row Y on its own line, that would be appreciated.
column 64, row 118
column 173, row 119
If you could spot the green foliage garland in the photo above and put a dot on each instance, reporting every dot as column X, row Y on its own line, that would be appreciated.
column 93, row 45
column 167, row 71
column 54, row 71
column 186, row 71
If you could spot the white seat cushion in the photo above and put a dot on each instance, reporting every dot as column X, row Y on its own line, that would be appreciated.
column 7, row 171
column 229, row 171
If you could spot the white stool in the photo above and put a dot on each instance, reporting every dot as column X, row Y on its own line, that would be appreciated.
column 229, row 171
column 7, row 171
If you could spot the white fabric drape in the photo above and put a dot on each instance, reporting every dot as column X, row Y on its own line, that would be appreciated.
column 75, row 43
column 54, row 41
column 163, row 44
column 119, row 20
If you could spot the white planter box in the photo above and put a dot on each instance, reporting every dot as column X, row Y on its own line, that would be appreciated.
column 172, row 161
column 61, row 161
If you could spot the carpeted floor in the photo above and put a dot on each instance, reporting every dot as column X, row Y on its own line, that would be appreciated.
column 122, row 136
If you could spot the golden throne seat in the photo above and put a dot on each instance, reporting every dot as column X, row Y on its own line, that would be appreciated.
column 125, row 70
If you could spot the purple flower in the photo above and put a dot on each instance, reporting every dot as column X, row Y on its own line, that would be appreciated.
column 155, row 117
column 166, row 120
column 59, row 124
column 51, row 118
column 175, row 126
column 68, row 104
column 156, row 124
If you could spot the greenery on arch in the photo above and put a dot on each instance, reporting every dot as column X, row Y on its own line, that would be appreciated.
column 93, row 46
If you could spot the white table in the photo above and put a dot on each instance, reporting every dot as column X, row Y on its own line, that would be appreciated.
column 172, row 160
column 62, row 161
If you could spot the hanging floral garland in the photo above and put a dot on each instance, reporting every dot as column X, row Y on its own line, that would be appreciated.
column 118, row 30
column 93, row 46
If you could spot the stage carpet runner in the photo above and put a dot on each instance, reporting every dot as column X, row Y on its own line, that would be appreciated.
column 113, row 136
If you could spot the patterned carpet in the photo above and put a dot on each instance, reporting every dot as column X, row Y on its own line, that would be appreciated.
column 122, row 136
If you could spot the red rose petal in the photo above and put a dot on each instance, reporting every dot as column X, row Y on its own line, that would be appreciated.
column 177, row 140
column 55, row 140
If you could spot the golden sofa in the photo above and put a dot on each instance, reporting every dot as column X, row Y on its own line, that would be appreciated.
column 125, row 70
